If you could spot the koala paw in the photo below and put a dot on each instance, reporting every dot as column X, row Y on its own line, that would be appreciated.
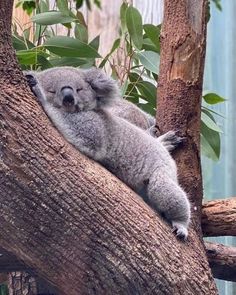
column 180, row 230
column 170, row 140
column 30, row 80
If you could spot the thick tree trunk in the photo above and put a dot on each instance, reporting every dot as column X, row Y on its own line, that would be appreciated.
column 219, row 218
column 183, row 43
column 222, row 260
column 71, row 220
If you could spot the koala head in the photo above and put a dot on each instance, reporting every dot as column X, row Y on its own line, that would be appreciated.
column 74, row 89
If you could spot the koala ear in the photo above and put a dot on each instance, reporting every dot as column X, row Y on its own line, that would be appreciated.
column 105, row 87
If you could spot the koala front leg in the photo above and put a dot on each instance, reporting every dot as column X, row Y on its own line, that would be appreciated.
column 167, row 197
column 170, row 140
column 35, row 88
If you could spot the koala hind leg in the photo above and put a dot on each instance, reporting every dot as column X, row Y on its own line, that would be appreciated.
column 168, row 198
column 170, row 140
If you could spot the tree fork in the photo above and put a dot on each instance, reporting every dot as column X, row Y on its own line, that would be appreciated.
column 70, row 219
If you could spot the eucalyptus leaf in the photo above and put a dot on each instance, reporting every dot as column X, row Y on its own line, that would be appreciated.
column 211, row 111
column 63, row 6
column 153, row 33
column 123, row 9
column 209, row 122
column 213, row 98
column 150, row 60
column 81, row 33
column 69, row 61
column 95, row 43
column 29, row 57
column 115, row 45
column 134, row 26
column 148, row 91
column 20, row 43
column 52, row 18
column 148, row 108
column 210, row 142
column 149, row 46
column 70, row 47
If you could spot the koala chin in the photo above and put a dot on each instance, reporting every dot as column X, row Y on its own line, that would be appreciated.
column 79, row 103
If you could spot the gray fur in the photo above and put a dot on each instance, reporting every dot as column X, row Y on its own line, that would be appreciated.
column 138, row 159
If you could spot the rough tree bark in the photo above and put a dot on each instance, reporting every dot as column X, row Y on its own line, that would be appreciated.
column 222, row 260
column 72, row 221
column 183, row 43
column 21, row 283
column 219, row 218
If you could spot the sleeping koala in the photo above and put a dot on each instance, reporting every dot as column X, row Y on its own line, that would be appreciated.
column 78, row 102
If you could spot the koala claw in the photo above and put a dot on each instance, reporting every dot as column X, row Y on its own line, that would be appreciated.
column 170, row 140
column 31, row 80
column 180, row 230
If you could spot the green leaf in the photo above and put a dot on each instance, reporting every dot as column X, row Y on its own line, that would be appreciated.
column 29, row 57
column 95, row 43
column 69, row 61
column 43, row 6
column 43, row 62
column 211, row 111
column 70, row 47
column 63, row 6
column 210, row 142
column 81, row 19
column 124, row 87
column 218, row 4
column 51, row 18
column 79, row 3
column 131, row 93
column 148, row 91
column 209, row 122
column 213, row 98
column 150, row 60
column 147, row 107
column 98, row 3
column 134, row 77
column 149, row 46
column 123, row 9
column 20, row 43
column 153, row 33
column 81, row 33
column 134, row 26
column 115, row 45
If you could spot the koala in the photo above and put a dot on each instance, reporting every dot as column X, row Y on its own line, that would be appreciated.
column 130, row 112
column 77, row 102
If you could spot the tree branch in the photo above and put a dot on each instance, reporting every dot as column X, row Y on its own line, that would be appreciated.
column 222, row 260
column 219, row 218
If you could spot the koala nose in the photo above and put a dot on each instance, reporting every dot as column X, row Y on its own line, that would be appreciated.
column 68, row 96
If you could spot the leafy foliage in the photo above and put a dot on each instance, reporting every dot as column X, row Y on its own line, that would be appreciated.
column 217, row 4
column 138, row 78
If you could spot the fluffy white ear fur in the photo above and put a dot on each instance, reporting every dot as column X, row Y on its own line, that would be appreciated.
column 105, row 87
